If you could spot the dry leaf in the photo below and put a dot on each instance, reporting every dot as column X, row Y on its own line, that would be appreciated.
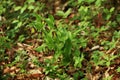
column 6, row 70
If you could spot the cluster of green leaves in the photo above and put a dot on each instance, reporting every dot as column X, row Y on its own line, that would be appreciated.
column 14, row 20
column 68, row 42
column 17, row 17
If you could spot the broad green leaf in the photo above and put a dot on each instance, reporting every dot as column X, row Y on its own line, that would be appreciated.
column 37, row 16
column 64, row 14
column 118, row 69
column 80, row 1
column 116, row 34
column 18, row 8
column 51, row 18
column 67, row 51
column 70, row 35
column 23, row 8
column 60, row 13
column 98, row 2
column 78, row 60
column 15, row 21
column 50, row 23
column 30, row 1
column 40, row 48
column 2, row 9
column 18, row 25
column 67, row 13
column 21, row 38
column 112, row 9
column 38, row 25
column 118, row 17
column 90, row 1
column 31, row 7
column 108, row 16
column 108, row 63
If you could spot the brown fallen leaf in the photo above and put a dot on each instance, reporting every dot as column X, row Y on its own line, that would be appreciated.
column 12, row 68
column 6, row 70
column 37, row 75
column 12, row 73
column 17, row 70
column 95, row 48
column 48, row 57
column 35, row 71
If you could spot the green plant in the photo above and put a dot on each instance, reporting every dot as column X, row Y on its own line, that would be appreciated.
column 20, row 60
column 66, row 40
column 100, row 58
column 20, row 16
column 118, row 69
column 5, row 44
column 108, row 78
